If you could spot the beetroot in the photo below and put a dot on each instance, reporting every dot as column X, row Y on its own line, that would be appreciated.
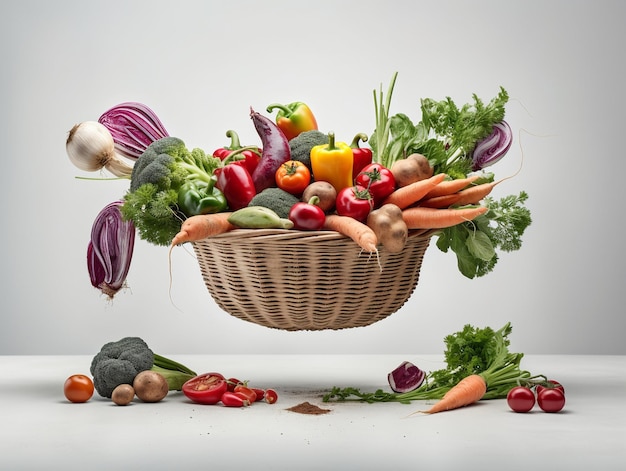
column 406, row 377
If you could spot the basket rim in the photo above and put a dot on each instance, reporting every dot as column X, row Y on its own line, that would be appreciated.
column 289, row 234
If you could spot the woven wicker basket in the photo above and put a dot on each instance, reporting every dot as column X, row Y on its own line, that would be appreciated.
column 298, row 280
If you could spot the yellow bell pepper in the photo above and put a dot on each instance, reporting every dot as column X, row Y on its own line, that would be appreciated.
column 333, row 163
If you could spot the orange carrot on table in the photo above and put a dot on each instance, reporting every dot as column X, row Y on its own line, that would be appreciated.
column 469, row 390
column 359, row 232
column 405, row 196
column 202, row 226
column 418, row 217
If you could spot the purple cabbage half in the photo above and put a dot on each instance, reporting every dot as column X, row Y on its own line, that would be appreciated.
column 134, row 127
column 495, row 146
column 110, row 249
column 406, row 377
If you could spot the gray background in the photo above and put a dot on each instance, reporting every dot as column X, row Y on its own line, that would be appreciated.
column 201, row 65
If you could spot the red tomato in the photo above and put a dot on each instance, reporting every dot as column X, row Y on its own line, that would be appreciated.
column 551, row 400
column 378, row 180
column 78, row 388
column 247, row 392
column 551, row 384
column 293, row 177
column 271, row 396
column 307, row 216
column 354, row 201
column 206, row 388
column 521, row 399
column 234, row 399
column 260, row 394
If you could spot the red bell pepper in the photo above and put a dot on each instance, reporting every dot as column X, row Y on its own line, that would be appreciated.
column 362, row 156
column 235, row 182
column 250, row 157
column 294, row 118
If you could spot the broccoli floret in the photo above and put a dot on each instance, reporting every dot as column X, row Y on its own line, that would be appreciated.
column 302, row 144
column 158, row 174
column 119, row 362
column 275, row 199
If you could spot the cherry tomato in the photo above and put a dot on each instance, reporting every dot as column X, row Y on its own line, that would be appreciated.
column 354, row 201
column 521, row 399
column 307, row 216
column 234, row 399
column 247, row 392
column 293, row 176
column 550, row 384
column 271, row 396
column 206, row 388
column 378, row 180
column 551, row 399
column 260, row 394
column 78, row 388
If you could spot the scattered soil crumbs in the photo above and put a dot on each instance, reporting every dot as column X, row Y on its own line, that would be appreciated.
column 308, row 408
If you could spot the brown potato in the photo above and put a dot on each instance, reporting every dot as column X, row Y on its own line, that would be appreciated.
column 150, row 386
column 123, row 394
column 412, row 169
column 324, row 191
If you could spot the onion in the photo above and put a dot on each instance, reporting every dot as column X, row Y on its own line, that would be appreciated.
column 406, row 377
column 495, row 146
column 134, row 127
column 90, row 147
column 110, row 249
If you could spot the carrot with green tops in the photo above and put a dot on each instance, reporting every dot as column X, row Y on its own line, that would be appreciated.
column 449, row 187
column 418, row 217
column 469, row 390
column 405, row 196
column 359, row 232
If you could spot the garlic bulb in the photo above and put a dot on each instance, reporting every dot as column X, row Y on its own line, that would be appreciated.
column 90, row 147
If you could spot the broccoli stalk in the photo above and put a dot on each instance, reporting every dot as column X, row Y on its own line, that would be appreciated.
column 471, row 351
column 157, row 176
column 119, row 362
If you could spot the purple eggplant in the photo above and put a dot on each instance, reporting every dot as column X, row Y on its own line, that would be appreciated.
column 275, row 151
column 406, row 377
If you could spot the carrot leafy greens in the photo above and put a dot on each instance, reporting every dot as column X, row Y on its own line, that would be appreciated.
column 472, row 351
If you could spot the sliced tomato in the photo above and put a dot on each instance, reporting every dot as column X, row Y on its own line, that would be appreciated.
column 234, row 399
column 271, row 396
column 247, row 392
column 206, row 388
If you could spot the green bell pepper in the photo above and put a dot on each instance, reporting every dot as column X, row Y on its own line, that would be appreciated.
column 197, row 197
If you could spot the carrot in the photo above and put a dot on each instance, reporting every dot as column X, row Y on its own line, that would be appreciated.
column 449, row 187
column 202, row 226
column 359, row 232
column 407, row 195
column 469, row 390
column 418, row 217
column 440, row 202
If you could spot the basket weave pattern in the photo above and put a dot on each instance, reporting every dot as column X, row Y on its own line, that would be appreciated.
column 298, row 280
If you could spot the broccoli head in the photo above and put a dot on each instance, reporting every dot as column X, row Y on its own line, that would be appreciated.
column 157, row 176
column 275, row 199
column 302, row 144
column 119, row 362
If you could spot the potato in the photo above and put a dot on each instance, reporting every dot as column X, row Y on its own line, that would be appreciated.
column 414, row 168
column 324, row 191
column 150, row 386
column 123, row 394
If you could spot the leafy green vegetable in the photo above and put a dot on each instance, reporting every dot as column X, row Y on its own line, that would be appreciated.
column 476, row 242
column 473, row 350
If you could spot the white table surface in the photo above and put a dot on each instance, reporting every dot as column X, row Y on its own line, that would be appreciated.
column 42, row 430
